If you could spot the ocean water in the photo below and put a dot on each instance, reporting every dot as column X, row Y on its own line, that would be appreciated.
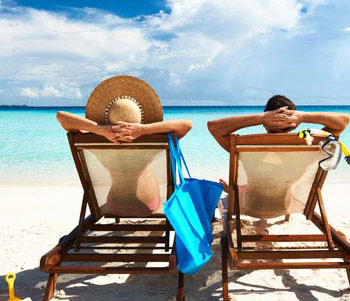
column 34, row 148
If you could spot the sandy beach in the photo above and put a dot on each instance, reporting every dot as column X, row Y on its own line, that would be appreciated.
column 207, row 69
column 34, row 218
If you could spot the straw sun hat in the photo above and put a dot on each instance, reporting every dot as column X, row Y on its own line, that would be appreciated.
column 124, row 98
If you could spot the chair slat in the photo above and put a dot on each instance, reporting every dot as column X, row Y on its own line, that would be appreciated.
column 91, row 257
column 122, row 239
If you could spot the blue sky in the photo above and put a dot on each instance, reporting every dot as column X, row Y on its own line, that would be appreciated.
column 122, row 8
column 193, row 52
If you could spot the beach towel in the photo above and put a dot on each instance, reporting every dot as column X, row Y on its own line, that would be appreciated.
column 190, row 210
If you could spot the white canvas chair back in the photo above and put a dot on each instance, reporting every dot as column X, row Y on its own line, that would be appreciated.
column 126, row 180
column 273, row 175
column 275, row 179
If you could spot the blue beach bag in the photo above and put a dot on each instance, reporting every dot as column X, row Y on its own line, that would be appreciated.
column 211, row 191
column 187, row 212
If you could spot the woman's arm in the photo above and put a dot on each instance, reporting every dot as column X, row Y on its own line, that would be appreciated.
column 122, row 131
column 72, row 122
column 131, row 131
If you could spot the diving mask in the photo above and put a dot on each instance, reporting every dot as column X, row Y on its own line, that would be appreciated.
column 331, row 147
column 333, row 150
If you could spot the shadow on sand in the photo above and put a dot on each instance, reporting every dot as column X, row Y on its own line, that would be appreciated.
column 205, row 285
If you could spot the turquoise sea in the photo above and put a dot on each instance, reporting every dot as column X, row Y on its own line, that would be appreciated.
column 34, row 148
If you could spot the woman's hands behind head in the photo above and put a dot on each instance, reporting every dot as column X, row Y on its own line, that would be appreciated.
column 121, row 131
column 128, row 131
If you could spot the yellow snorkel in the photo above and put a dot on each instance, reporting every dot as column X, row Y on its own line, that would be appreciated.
column 346, row 152
column 332, row 147
column 308, row 134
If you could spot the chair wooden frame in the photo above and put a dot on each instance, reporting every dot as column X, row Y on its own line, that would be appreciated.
column 73, row 251
column 337, row 245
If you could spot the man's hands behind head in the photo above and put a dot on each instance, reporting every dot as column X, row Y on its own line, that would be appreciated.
column 281, row 120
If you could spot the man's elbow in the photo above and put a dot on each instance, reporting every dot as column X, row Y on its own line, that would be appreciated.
column 347, row 120
column 211, row 127
column 344, row 122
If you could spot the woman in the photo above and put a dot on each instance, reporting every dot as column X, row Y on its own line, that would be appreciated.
column 122, row 131
column 122, row 109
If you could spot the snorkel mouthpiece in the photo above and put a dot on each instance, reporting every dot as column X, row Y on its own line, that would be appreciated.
column 306, row 134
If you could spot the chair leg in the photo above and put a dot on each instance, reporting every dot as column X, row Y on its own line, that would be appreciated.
column 224, row 271
column 327, row 229
column 180, row 288
column 347, row 270
column 50, row 287
column 286, row 217
column 167, row 236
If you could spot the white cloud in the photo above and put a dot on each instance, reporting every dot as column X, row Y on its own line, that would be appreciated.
column 346, row 29
column 30, row 92
column 35, row 32
column 202, row 49
column 251, row 15
column 51, row 92
column 78, row 93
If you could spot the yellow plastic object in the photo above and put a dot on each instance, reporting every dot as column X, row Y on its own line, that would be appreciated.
column 308, row 133
column 346, row 152
column 10, row 279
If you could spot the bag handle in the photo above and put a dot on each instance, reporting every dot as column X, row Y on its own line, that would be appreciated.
column 182, row 158
column 175, row 161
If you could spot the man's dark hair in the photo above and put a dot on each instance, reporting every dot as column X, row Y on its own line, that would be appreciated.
column 278, row 101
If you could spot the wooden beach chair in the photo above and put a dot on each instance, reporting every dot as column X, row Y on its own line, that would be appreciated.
column 117, row 237
column 275, row 175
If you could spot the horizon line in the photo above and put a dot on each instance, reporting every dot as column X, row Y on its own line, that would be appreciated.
column 170, row 106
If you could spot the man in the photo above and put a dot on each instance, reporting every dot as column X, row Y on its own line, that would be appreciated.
column 280, row 116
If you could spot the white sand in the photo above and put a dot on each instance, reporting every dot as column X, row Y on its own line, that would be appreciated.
column 34, row 218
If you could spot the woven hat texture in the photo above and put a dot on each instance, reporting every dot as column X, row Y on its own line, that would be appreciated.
column 124, row 98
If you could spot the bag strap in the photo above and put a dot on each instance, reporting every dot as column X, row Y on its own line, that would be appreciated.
column 175, row 161
column 181, row 156
column 172, row 159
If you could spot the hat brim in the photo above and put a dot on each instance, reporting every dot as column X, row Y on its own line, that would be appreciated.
column 119, row 86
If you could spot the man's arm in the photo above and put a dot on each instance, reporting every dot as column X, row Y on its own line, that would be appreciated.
column 333, row 122
column 223, row 127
